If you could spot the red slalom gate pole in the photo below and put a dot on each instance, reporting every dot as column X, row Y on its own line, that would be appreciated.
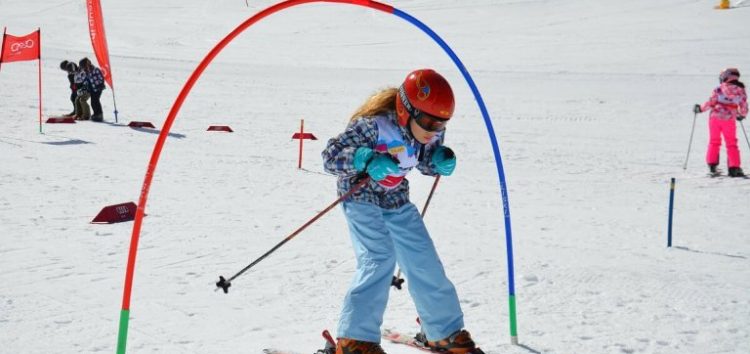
column 224, row 283
column 301, row 135
column 301, row 139
column 39, row 67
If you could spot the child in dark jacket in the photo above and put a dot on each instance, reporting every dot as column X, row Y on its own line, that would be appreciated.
column 728, row 103
column 94, row 85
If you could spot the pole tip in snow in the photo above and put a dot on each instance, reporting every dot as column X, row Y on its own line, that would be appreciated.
column 396, row 282
column 223, row 284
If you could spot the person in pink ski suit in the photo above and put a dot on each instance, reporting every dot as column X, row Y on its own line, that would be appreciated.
column 728, row 103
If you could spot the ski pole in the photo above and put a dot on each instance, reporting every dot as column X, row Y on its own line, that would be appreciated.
column 429, row 197
column 690, row 144
column 224, row 284
column 744, row 132
column 397, row 280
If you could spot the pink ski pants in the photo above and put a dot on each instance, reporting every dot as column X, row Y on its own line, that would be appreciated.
column 727, row 128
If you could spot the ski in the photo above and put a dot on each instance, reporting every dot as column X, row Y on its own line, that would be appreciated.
column 284, row 351
column 278, row 351
column 399, row 338
column 330, row 346
column 721, row 176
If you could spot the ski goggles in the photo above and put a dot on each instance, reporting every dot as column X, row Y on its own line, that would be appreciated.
column 430, row 123
column 423, row 120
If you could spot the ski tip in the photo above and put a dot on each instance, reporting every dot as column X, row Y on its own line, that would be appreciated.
column 329, row 338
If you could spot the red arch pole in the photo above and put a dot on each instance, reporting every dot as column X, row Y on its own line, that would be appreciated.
column 125, row 311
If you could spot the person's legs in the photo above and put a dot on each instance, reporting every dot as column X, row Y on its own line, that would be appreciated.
column 84, row 112
column 96, row 104
column 78, row 108
column 365, row 302
column 434, row 295
column 73, row 96
column 729, row 131
column 714, row 141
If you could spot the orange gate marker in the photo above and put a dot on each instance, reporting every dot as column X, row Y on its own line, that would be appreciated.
column 302, row 136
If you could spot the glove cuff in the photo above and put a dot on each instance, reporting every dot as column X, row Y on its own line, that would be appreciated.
column 362, row 156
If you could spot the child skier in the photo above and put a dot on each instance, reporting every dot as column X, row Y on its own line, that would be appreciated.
column 394, row 131
column 82, row 112
column 70, row 69
column 728, row 103
column 94, row 86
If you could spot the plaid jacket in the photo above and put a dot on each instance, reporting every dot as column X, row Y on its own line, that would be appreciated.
column 95, row 81
column 338, row 159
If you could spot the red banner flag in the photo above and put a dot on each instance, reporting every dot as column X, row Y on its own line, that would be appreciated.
column 99, row 39
column 20, row 48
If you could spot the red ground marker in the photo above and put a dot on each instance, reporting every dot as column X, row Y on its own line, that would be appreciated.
column 136, row 124
column 68, row 120
column 219, row 128
column 116, row 213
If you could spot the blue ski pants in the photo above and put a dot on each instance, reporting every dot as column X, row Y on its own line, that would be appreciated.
column 382, row 237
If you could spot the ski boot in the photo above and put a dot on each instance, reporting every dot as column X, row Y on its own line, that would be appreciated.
column 353, row 346
column 736, row 172
column 713, row 169
column 457, row 343
column 329, row 349
column 421, row 338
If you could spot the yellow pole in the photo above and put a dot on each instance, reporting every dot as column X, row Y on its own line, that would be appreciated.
column 724, row 4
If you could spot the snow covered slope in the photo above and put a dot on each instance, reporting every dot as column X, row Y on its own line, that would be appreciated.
column 591, row 101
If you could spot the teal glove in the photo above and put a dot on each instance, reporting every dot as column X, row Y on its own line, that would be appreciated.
column 361, row 157
column 381, row 166
column 444, row 160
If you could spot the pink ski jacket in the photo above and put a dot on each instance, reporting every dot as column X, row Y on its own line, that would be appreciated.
column 727, row 102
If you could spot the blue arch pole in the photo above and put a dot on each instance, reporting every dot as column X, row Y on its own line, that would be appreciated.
column 498, row 163
column 166, row 127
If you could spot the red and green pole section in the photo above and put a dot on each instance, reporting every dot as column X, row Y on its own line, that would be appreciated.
column 140, row 212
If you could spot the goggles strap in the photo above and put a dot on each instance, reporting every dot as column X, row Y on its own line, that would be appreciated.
column 413, row 112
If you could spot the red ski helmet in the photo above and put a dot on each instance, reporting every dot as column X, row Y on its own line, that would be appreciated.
column 424, row 91
column 729, row 74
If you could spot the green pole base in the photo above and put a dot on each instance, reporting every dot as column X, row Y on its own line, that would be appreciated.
column 513, row 320
column 122, row 336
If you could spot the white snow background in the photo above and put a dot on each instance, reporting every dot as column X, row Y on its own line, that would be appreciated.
column 591, row 102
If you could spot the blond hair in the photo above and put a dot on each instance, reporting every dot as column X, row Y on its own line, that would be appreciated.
column 379, row 103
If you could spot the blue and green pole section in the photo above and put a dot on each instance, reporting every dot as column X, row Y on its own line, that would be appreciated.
column 498, row 164
column 156, row 153
column 671, row 209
